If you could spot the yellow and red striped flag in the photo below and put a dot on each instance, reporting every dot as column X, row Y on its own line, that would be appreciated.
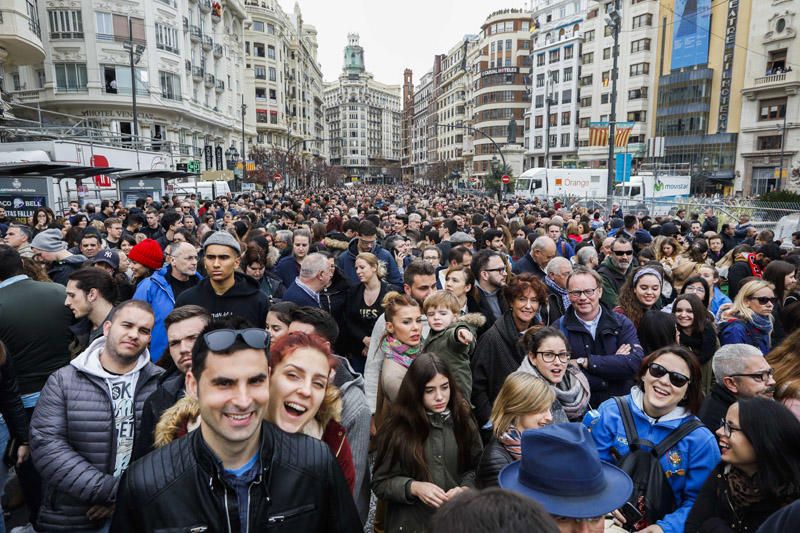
column 598, row 134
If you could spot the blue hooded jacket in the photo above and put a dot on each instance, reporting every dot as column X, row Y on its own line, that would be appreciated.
column 687, row 465
column 157, row 291
column 347, row 263
column 740, row 331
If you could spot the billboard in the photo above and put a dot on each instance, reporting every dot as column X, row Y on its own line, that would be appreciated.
column 22, row 196
column 691, row 29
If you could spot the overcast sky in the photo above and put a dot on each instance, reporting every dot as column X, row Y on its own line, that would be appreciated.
column 395, row 34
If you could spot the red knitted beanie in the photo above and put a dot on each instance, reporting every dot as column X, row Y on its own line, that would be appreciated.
column 148, row 253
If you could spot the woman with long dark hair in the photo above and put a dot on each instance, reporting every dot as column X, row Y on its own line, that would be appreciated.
column 696, row 331
column 427, row 449
column 759, row 472
column 640, row 293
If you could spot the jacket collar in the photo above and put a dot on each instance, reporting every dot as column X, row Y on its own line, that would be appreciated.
column 608, row 320
column 210, row 463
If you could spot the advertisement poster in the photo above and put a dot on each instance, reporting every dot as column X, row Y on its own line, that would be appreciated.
column 22, row 196
column 691, row 29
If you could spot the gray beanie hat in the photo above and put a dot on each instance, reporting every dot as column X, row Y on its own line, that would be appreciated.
column 223, row 238
column 49, row 241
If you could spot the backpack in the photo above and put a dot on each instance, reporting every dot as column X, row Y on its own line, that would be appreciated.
column 652, row 494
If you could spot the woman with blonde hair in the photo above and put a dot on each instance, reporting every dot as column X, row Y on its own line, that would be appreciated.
column 523, row 403
column 750, row 318
column 784, row 360
column 668, row 252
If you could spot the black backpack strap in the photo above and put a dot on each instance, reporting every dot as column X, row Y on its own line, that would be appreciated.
column 676, row 436
column 627, row 420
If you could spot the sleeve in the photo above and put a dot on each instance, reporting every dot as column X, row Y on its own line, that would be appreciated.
column 709, row 344
column 58, row 463
column 142, row 290
column 144, row 436
column 704, row 457
column 703, row 508
column 736, row 273
column 476, row 450
column 613, row 366
column 372, row 368
column 11, row 404
column 609, row 298
column 356, row 423
column 480, row 382
column 733, row 333
column 390, row 484
column 600, row 424
column 126, row 512
column 393, row 275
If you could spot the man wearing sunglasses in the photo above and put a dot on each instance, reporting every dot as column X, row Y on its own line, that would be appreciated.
column 84, row 425
column 741, row 371
column 236, row 472
column 615, row 268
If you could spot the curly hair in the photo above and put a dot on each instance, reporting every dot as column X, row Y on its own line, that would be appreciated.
column 629, row 304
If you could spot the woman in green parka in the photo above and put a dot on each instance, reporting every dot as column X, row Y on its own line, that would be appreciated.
column 427, row 449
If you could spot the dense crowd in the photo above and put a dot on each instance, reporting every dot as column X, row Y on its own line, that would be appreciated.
column 397, row 359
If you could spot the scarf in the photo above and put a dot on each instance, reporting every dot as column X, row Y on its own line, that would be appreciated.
column 742, row 488
column 553, row 286
column 764, row 323
column 572, row 393
column 755, row 269
column 398, row 352
column 511, row 442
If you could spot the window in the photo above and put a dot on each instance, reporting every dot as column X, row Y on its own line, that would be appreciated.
column 607, row 53
column 553, row 140
column 568, row 74
column 539, row 101
column 271, row 52
column 587, row 59
column 565, row 140
column 643, row 21
column 555, row 55
column 604, row 98
column 588, row 36
column 553, row 119
column 566, row 117
column 65, row 24
column 273, row 94
column 262, row 115
column 538, row 121
column 261, row 93
column 769, row 142
column 586, row 81
column 260, row 72
column 605, row 76
column 117, row 79
column 537, row 141
column 105, row 26
column 772, row 109
column 540, row 80
column 640, row 46
column 273, row 74
column 270, row 29
column 608, row 31
column 170, row 85
column 640, row 69
column 70, row 77
column 569, row 51
column 258, row 50
column 540, row 60
column 554, row 76
column 167, row 38
column 637, row 94
column 566, row 96
column 637, row 116
column 776, row 61
column 584, row 122
column 258, row 26
column 586, row 101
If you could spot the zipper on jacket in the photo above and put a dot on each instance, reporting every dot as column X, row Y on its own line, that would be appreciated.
column 227, row 512
column 291, row 514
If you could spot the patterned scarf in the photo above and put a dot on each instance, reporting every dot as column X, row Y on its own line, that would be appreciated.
column 511, row 442
column 558, row 290
column 398, row 352
column 572, row 392
column 742, row 488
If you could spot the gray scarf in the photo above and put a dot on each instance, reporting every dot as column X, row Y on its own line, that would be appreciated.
column 572, row 393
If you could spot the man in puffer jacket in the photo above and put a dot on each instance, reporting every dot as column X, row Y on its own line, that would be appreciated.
column 83, row 428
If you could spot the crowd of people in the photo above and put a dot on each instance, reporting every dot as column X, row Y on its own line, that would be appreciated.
column 397, row 360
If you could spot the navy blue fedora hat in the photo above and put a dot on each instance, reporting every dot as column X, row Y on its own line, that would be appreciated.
column 561, row 469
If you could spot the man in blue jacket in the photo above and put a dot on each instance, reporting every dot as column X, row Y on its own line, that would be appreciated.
column 603, row 343
column 162, row 289
column 315, row 275
column 367, row 242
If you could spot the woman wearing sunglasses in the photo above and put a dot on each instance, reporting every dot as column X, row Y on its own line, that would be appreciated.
column 302, row 397
column 548, row 358
column 666, row 396
column 750, row 319
column 759, row 472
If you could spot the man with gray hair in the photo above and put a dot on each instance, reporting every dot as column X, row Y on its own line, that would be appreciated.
column 315, row 275
column 19, row 237
column 557, row 270
column 587, row 256
column 741, row 371
column 542, row 251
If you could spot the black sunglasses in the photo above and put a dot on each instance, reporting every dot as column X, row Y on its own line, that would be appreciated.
column 620, row 253
column 764, row 300
column 676, row 378
column 220, row 340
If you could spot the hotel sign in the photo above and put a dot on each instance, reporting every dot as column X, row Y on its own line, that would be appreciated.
column 727, row 65
column 500, row 70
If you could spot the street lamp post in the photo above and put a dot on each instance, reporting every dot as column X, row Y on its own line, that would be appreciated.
column 613, row 20
column 291, row 149
column 476, row 130
column 783, row 145
column 135, row 52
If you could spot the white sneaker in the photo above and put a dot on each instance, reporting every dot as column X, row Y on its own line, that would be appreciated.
column 27, row 528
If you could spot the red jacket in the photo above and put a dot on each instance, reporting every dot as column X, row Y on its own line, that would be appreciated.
column 336, row 439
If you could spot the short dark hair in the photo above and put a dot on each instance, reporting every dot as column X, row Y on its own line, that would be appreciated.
column 170, row 218
column 492, row 510
column 93, row 277
column 351, row 224
column 200, row 350
column 481, row 260
column 457, row 254
column 10, row 262
column 491, row 234
column 367, row 228
column 629, row 221
column 417, row 267
column 694, row 391
column 91, row 234
column 324, row 324
column 139, row 304
column 185, row 312
column 621, row 240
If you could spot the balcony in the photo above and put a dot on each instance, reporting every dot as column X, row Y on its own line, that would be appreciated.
column 208, row 43
column 198, row 73
column 788, row 82
column 194, row 34
column 20, row 35
column 205, row 6
column 217, row 50
column 210, row 80
column 220, row 86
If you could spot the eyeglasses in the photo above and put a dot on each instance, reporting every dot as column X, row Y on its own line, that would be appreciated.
column 764, row 300
column 585, row 292
column 221, row 339
column 620, row 253
column 728, row 429
column 762, row 377
column 549, row 357
column 499, row 269
column 566, row 519
column 676, row 378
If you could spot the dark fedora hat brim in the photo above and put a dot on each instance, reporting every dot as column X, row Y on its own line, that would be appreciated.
column 616, row 492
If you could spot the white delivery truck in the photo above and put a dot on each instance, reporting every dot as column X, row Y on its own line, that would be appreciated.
column 656, row 194
column 563, row 182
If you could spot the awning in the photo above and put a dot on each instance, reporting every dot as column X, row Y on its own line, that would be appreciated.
column 163, row 173
column 58, row 171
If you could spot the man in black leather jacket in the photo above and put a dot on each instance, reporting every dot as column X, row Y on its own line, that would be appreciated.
column 235, row 473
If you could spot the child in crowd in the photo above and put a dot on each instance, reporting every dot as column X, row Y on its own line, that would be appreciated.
column 452, row 337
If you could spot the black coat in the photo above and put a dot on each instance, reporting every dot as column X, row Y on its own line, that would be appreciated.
column 497, row 355
column 713, row 510
column 357, row 326
column 180, row 487
column 171, row 388
column 494, row 458
column 704, row 345
column 244, row 299
column 477, row 304
column 715, row 406
column 527, row 264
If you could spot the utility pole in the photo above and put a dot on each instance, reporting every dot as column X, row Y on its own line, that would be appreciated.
column 134, row 55
column 613, row 19
column 244, row 154
column 783, row 144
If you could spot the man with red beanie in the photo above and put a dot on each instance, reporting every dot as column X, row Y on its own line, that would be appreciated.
column 146, row 257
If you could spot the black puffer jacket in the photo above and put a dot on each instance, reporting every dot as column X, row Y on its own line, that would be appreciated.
column 494, row 458
column 180, row 487
column 170, row 389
